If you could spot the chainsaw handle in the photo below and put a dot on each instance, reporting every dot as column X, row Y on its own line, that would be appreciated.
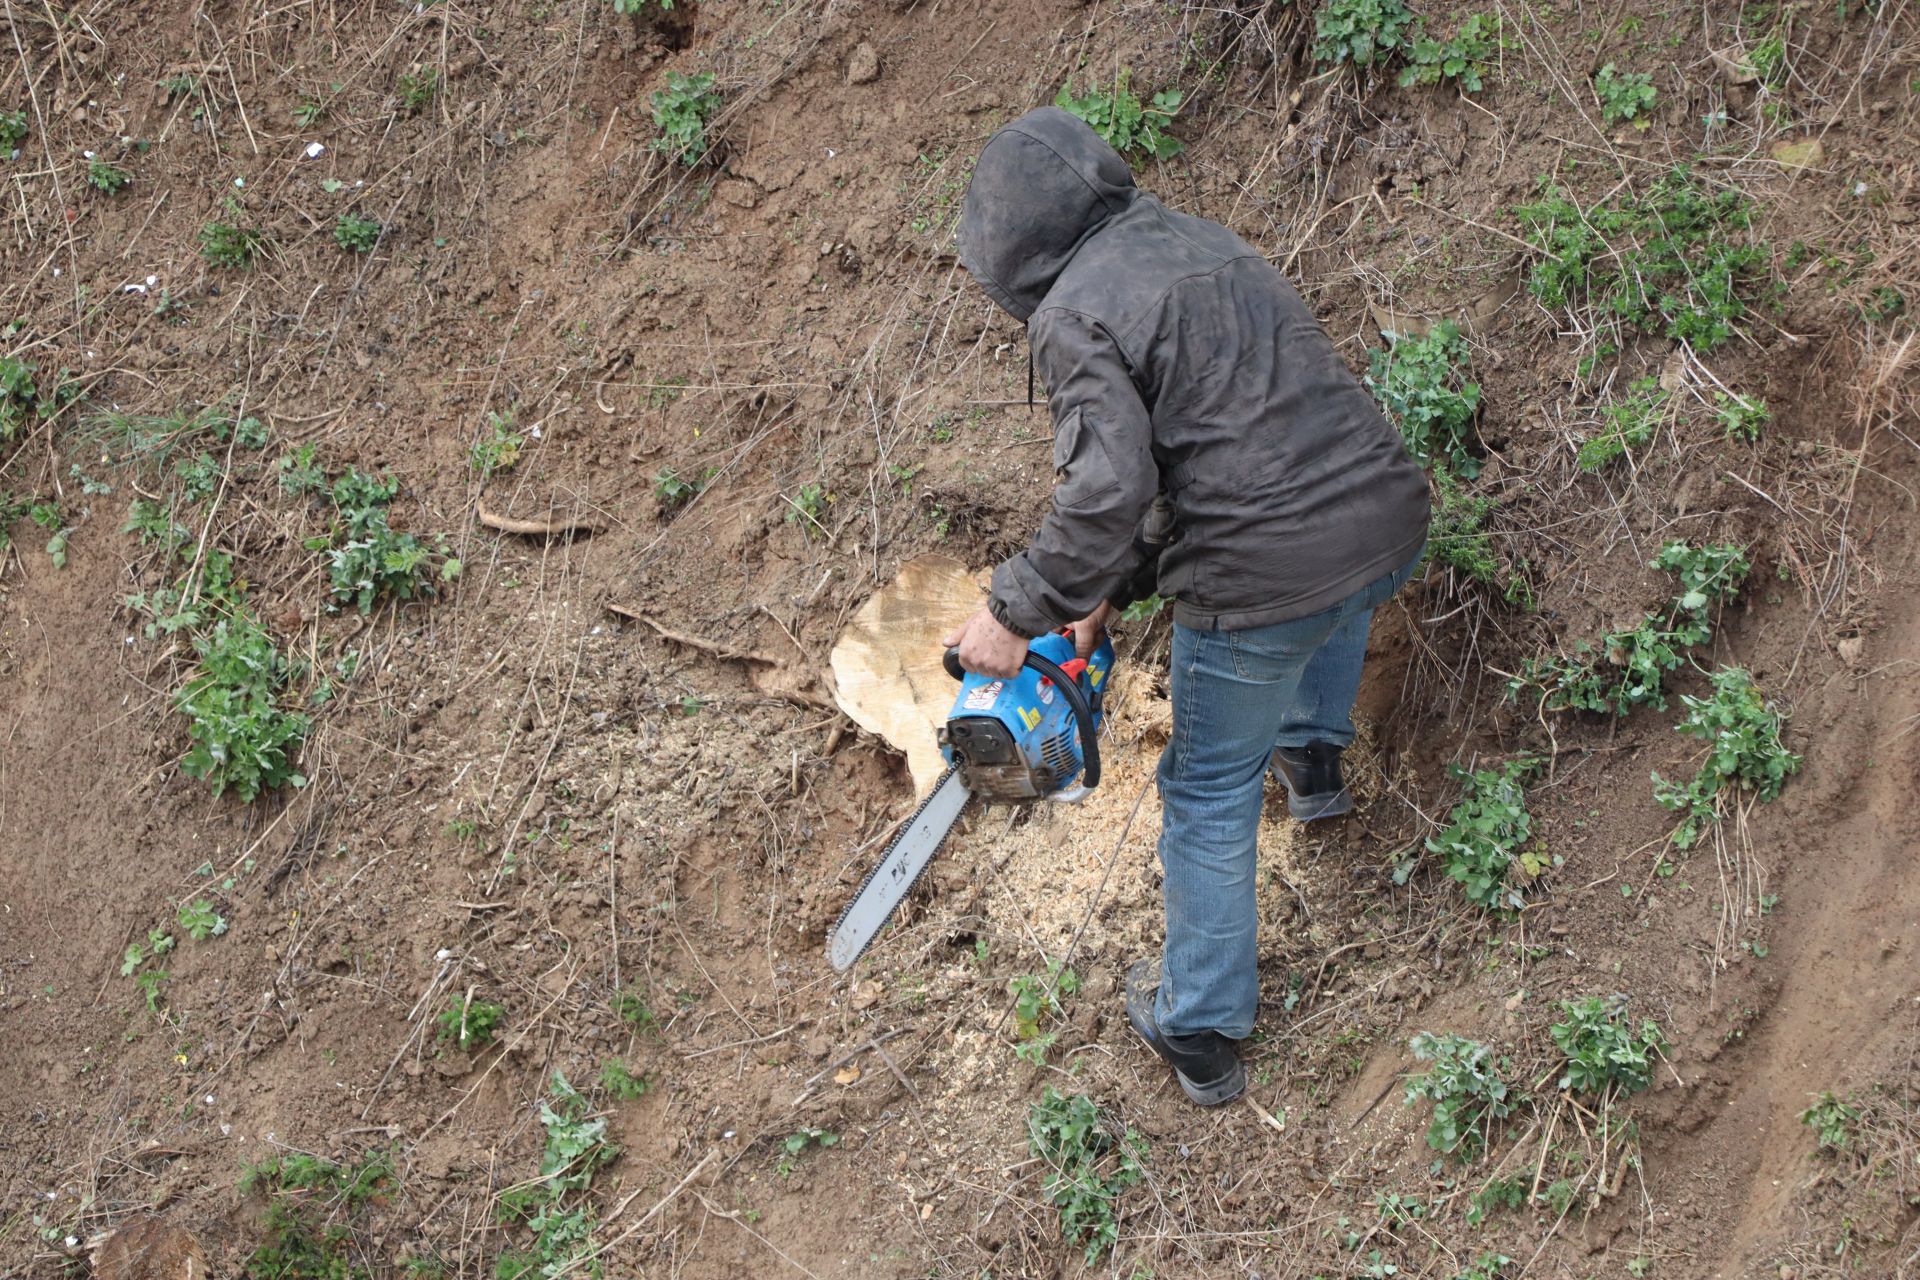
column 1076, row 701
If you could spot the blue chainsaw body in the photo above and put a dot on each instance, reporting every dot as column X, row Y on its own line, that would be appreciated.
column 1020, row 739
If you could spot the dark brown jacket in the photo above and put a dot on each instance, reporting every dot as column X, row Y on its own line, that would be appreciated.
column 1178, row 362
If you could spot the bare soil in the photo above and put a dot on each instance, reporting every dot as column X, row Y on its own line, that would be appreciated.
column 607, row 763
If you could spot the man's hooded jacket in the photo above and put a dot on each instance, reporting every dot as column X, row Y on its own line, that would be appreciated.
column 1178, row 362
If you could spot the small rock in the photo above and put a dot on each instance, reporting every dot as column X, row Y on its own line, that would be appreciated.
column 863, row 66
column 1851, row 648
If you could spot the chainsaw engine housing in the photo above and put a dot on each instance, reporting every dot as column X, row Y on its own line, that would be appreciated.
column 1017, row 740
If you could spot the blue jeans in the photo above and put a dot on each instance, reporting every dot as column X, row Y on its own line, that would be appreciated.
column 1236, row 696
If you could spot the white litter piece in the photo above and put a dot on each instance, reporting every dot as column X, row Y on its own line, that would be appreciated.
column 314, row 150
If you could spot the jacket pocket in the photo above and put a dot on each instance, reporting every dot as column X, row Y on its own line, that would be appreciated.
column 1083, row 472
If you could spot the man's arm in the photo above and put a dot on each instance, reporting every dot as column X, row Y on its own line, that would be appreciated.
column 1105, row 479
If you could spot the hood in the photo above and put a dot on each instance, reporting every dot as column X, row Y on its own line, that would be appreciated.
column 1042, row 185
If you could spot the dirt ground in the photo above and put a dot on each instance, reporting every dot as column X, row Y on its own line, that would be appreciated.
column 599, row 779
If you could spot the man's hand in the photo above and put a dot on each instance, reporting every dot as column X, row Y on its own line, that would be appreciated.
column 1087, row 631
column 987, row 648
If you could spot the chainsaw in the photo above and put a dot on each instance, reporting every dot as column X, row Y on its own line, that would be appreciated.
column 1034, row 737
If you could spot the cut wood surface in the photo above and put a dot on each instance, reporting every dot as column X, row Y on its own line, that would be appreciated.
column 887, row 671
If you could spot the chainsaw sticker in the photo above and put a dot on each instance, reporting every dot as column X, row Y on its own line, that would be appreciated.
column 1030, row 717
column 1046, row 693
column 984, row 697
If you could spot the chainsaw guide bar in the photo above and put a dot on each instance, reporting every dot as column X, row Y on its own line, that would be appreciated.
column 898, row 870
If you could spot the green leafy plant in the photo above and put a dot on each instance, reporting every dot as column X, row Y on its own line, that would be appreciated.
column 1741, row 417
column 1665, row 261
column 1485, row 1266
column 1604, row 1050
column 1628, row 424
column 419, row 88
column 1487, row 833
column 200, row 921
column 469, row 1023
column 1145, row 609
column 1457, row 537
column 1630, row 667
column 1832, row 1119
column 105, row 177
column 356, row 233
column 1709, row 574
column 13, row 131
column 1087, row 1167
column 1123, row 120
column 1422, row 383
column 1361, row 32
column 676, row 491
column 795, row 1145
column 1462, row 57
column 308, row 1222
column 242, row 739
column 25, row 399
column 498, row 448
column 1742, row 732
column 367, row 558
column 554, row 1207
column 617, row 1080
column 158, row 943
column 680, row 112
column 1467, row 1086
column 1624, row 95
column 806, row 507
column 226, row 243
column 631, row 1007
column 1036, row 1000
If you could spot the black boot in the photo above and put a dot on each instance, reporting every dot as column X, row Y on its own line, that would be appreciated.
column 1204, row 1063
column 1311, row 773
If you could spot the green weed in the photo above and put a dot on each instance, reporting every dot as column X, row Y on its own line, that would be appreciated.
column 1123, row 120
column 105, row 177
column 1361, row 32
column 1144, row 610
column 367, row 558
column 242, row 738
column 1422, row 383
column 807, row 507
column 680, row 112
column 25, row 399
column 306, row 1198
column 1664, row 262
column 470, row 1024
column 1624, row 95
column 200, row 921
column 1629, row 423
column 1486, row 1266
column 1832, row 1119
column 1462, row 57
column 356, row 233
column 675, row 491
column 1742, row 731
column 419, row 88
column 1467, row 1086
column 617, row 1080
column 1087, row 1167
column 554, row 1207
column 1629, row 667
column 1037, row 999
column 13, row 131
column 1741, row 417
column 631, row 1008
column 795, row 1145
column 498, row 448
column 1604, row 1050
column 158, row 943
column 1487, row 833
column 226, row 243
column 1457, row 535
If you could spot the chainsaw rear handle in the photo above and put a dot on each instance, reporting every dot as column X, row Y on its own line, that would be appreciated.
column 1077, row 702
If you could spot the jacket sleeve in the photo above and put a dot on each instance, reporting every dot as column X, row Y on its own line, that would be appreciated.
column 1105, row 478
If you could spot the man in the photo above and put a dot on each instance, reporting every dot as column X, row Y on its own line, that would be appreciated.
column 1209, row 439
